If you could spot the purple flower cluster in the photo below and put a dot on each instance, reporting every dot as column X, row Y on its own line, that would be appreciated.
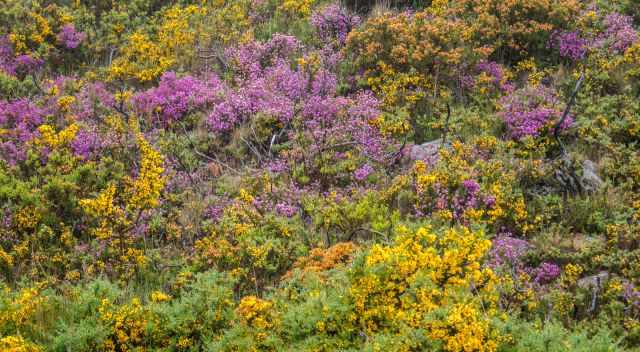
column 497, row 74
column 466, row 198
column 250, row 59
column 69, row 37
column 6, row 56
column 16, row 65
column 570, row 45
column 214, row 212
column 86, row 144
column 283, row 92
column 93, row 99
column 618, row 34
column 19, row 121
column 287, row 210
column 528, row 111
column 334, row 22
column 457, row 199
column 362, row 172
column 507, row 251
column 175, row 97
column 546, row 273
column 274, row 92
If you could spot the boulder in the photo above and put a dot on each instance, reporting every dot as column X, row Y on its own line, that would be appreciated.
column 428, row 151
column 590, row 180
column 594, row 281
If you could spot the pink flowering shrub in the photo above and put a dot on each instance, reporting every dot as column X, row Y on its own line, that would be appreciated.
column 19, row 121
column 334, row 22
column 570, row 45
column 69, row 37
column 619, row 33
column 175, row 97
column 17, row 65
column 530, row 111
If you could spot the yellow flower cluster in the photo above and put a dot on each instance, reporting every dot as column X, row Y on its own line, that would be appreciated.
column 399, row 88
column 127, row 324
column 632, row 58
column 228, row 22
column 159, row 296
column 297, row 8
column 65, row 102
column 464, row 329
column 50, row 138
column 255, row 312
column 424, row 272
column 116, row 213
column 145, row 191
column 5, row 258
column 27, row 218
column 34, row 31
column 141, row 59
column 103, row 208
column 14, row 343
column 21, row 310
column 147, row 56
column 571, row 273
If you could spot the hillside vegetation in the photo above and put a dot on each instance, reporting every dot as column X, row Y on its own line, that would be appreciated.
column 304, row 175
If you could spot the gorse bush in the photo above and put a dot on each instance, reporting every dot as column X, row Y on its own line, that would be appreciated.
column 311, row 175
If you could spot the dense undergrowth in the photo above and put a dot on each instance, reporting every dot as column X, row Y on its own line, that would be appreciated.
column 301, row 175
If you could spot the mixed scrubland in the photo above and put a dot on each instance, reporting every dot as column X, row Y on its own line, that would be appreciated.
column 307, row 175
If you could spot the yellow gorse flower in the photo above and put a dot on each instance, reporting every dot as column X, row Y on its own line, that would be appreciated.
column 54, row 140
column 14, row 343
column 435, row 268
column 150, row 182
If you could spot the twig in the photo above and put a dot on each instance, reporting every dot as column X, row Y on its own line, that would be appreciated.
column 446, row 125
column 572, row 99
column 195, row 150
column 35, row 82
column 254, row 150
column 350, row 237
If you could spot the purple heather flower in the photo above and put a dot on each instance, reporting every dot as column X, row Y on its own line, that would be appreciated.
column 496, row 72
column 527, row 111
column 546, row 273
column 174, row 97
column 286, row 209
column 20, row 120
column 506, row 250
column 12, row 65
column 27, row 64
column 363, row 172
column 324, row 83
column 278, row 166
column 86, row 143
column 619, row 33
column 69, row 37
column 91, row 99
column 7, row 62
column 471, row 186
column 489, row 201
column 214, row 212
column 570, row 45
column 334, row 22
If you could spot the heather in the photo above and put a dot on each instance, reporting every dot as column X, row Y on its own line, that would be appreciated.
column 312, row 175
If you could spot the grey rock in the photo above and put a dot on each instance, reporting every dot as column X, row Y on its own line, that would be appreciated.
column 426, row 151
column 566, row 177
column 594, row 281
column 590, row 180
